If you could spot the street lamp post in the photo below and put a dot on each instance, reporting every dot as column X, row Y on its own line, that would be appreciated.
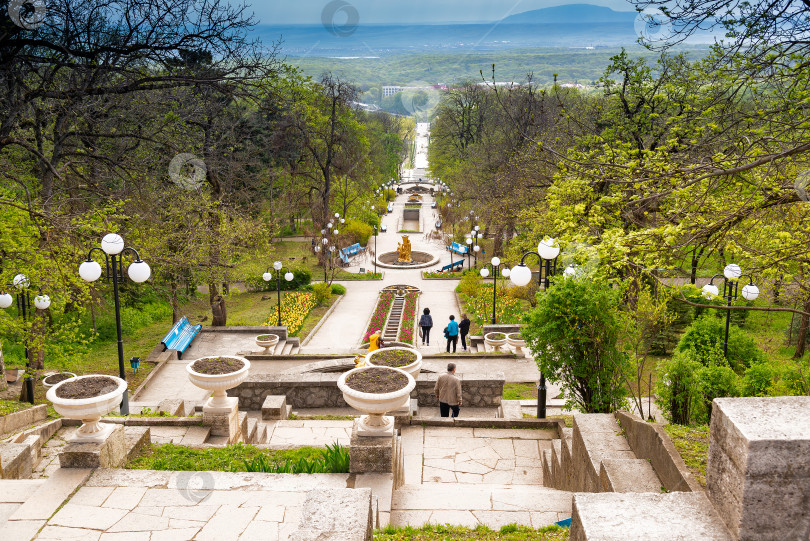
column 267, row 276
column 547, row 251
column 731, row 276
column 469, row 249
column 113, row 248
column 375, row 251
column 496, row 265
column 41, row 302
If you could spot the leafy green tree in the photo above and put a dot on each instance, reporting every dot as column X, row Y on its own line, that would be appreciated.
column 706, row 336
column 573, row 334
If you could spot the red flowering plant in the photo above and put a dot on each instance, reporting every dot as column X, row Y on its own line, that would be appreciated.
column 408, row 319
column 380, row 314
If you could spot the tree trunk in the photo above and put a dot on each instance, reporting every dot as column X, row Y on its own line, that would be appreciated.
column 213, row 292
column 219, row 313
column 804, row 323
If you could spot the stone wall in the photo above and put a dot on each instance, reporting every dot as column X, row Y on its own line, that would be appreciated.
column 321, row 390
column 649, row 441
column 410, row 214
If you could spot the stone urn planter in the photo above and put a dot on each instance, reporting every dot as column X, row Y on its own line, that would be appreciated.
column 267, row 341
column 386, row 389
column 52, row 379
column 13, row 374
column 218, row 374
column 70, row 399
column 395, row 357
column 515, row 340
column 495, row 340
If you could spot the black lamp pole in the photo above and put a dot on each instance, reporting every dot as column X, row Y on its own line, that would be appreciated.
column 115, row 272
column 375, row 251
column 730, row 292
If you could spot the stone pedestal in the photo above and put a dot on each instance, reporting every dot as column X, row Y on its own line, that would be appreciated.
column 224, row 421
column 110, row 453
column 758, row 474
column 371, row 453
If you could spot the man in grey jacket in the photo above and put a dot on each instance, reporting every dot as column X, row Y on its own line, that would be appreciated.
column 448, row 392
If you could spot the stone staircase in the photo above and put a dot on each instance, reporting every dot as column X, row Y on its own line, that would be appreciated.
column 594, row 456
column 391, row 331
column 291, row 346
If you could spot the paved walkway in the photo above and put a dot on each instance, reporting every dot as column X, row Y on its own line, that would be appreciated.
column 134, row 505
column 471, row 476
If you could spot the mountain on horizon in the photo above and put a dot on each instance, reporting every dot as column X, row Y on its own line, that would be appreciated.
column 571, row 14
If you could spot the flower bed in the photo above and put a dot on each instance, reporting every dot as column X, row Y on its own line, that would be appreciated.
column 479, row 307
column 406, row 327
column 295, row 307
column 380, row 314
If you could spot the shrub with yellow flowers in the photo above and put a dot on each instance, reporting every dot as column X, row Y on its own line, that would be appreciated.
column 295, row 307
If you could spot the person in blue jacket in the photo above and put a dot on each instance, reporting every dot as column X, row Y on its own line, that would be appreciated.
column 451, row 333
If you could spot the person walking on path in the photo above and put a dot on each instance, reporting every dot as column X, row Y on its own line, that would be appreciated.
column 464, row 330
column 448, row 392
column 451, row 332
column 426, row 323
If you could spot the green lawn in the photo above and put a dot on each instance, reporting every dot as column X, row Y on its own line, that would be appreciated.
column 692, row 442
column 230, row 458
column 446, row 532
column 519, row 391
column 12, row 406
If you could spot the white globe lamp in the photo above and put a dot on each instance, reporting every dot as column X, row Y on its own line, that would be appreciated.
column 139, row 271
column 42, row 302
column 21, row 281
column 548, row 248
column 112, row 244
column 750, row 292
column 710, row 291
column 90, row 270
column 6, row 300
column 521, row 275
column 484, row 272
column 732, row 271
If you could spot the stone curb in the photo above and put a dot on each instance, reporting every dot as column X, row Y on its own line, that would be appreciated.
column 323, row 319
column 461, row 422
column 14, row 421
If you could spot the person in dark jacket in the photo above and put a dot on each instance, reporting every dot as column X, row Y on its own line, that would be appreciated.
column 426, row 322
column 451, row 333
column 464, row 330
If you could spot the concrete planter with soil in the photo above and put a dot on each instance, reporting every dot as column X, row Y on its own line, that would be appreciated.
column 218, row 383
column 395, row 392
column 267, row 341
column 52, row 379
column 88, row 398
column 515, row 340
column 495, row 340
column 375, row 358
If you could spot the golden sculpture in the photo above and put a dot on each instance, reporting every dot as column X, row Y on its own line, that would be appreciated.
column 359, row 361
column 414, row 198
column 404, row 250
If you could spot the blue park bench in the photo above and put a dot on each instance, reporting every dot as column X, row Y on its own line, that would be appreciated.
column 353, row 249
column 180, row 337
column 460, row 249
column 451, row 266
column 390, row 207
column 439, row 224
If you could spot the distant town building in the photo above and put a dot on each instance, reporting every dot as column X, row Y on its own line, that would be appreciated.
column 388, row 91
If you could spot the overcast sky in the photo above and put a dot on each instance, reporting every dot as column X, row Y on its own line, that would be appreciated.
column 410, row 11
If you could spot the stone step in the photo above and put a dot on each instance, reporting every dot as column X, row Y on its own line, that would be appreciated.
column 548, row 471
column 295, row 350
column 252, row 428
column 279, row 347
column 596, row 437
column 287, row 348
column 469, row 505
column 628, row 475
column 556, row 464
column 196, row 435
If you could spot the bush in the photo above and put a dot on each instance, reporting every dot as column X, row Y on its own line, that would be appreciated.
column 301, row 278
column 573, row 334
column 338, row 289
column 758, row 379
column 716, row 381
column 677, row 390
column 707, row 334
column 470, row 285
column 358, row 231
column 323, row 292
column 526, row 293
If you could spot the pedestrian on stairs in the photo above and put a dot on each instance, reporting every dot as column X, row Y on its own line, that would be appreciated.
column 448, row 391
column 464, row 330
column 451, row 333
column 425, row 323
